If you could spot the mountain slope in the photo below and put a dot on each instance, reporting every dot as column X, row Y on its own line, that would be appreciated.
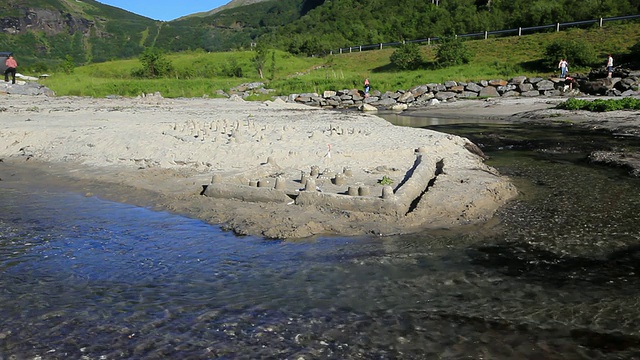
column 84, row 30
column 231, row 5
column 50, row 32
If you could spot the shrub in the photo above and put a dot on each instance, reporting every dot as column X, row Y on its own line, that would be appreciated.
column 68, row 66
column 406, row 57
column 154, row 64
column 232, row 69
column 600, row 105
column 452, row 51
column 576, row 52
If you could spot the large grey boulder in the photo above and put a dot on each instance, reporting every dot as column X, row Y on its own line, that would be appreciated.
column 489, row 91
column 473, row 87
column 25, row 88
column 545, row 85
column 445, row 95
column 599, row 86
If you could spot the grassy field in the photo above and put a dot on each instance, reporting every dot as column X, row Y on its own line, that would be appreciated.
column 201, row 74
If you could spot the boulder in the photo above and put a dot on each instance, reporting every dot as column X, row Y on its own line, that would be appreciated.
column 489, row 91
column 518, row 80
column 525, row 87
column 473, row 87
column 497, row 82
column 445, row 95
column 545, row 85
column 406, row 98
column 367, row 108
column 399, row 107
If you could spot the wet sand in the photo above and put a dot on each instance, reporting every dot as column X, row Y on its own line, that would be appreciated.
column 163, row 153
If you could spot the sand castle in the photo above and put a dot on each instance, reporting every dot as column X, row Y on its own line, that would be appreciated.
column 274, row 169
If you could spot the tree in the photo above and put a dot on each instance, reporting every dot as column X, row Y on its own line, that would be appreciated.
column 154, row 63
column 260, row 58
column 452, row 51
column 406, row 57
column 68, row 65
column 576, row 52
column 273, row 65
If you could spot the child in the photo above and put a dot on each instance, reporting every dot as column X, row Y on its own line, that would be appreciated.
column 366, row 87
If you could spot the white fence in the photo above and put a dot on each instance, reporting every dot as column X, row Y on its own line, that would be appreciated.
column 485, row 34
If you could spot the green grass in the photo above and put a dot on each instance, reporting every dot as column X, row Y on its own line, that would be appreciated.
column 197, row 72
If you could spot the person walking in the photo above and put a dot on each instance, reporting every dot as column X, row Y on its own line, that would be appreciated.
column 11, row 64
column 609, row 66
column 564, row 68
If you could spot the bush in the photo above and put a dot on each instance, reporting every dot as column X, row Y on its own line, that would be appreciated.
column 406, row 57
column 232, row 69
column 600, row 105
column 576, row 52
column 452, row 51
column 154, row 64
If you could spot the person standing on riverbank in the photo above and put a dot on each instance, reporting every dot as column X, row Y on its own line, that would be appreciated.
column 367, row 87
column 11, row 64
column 609, row 66
column 564, row 68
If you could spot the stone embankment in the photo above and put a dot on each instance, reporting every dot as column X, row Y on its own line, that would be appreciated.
column 623, row 83
column 627, row 84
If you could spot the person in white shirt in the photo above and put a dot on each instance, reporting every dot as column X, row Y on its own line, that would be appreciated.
column 564, row 68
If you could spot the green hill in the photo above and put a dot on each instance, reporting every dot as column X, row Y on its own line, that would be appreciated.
column 45, row 32
column 199, row 73
column 48, row 33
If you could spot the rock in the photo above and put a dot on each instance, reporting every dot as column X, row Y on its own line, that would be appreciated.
column 445, row 95
column 489, row 91
column 368, row 108
column 525, row 87
column 518, row 80
column 399, row 107
column 406, row 98
column 25, row 88
column 473, row 87
column 385, row 102
column 545, row 85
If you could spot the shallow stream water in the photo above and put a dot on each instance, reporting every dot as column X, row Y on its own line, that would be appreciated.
column 557, row 278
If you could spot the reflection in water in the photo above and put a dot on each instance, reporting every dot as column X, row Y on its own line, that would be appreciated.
column 417, row 121
column 87, row 278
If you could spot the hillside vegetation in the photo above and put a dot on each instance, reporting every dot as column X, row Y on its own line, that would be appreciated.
column 198, row 73
column 48, row 34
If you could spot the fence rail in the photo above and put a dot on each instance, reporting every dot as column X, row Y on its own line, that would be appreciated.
column 519, row 31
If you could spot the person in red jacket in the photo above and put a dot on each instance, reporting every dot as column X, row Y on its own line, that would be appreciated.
column 11, row 64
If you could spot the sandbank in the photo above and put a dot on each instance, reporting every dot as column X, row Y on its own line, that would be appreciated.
column 271, row 169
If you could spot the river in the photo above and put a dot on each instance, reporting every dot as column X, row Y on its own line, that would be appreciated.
column 555, row 278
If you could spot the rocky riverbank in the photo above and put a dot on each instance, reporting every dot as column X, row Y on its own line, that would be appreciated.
column 624, row 83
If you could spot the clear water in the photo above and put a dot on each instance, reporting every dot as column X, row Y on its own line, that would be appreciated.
column 85, row 278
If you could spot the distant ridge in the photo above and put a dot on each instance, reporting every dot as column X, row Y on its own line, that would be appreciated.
column 230, row 5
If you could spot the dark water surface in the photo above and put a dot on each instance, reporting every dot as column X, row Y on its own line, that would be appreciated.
column 85, row 278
